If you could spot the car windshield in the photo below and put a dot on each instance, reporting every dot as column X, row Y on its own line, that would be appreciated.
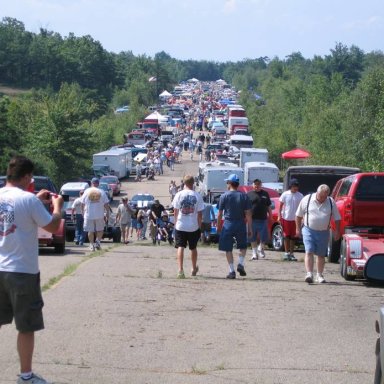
column 104, row 186
column 143, row 197
column 109, row 179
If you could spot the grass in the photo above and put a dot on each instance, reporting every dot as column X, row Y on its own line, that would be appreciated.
column 198, row 371
column 159, row 274
column 71, row 268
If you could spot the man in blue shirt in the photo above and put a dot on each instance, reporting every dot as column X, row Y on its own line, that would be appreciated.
column 236, row 208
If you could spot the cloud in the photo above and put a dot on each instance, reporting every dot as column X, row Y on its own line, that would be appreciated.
column 368, row 23
column 230, row 6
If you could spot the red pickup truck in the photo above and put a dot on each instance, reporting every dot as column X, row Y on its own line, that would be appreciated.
column 360, row 201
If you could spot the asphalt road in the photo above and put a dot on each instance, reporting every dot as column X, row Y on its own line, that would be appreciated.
column 123, row 317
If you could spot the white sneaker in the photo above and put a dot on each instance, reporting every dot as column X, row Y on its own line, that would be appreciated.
column 261, row 252
column 254, row 257
column 309, row 278
column 92, row 247
column 320, row 278
column 97, row 244
column 35, row 379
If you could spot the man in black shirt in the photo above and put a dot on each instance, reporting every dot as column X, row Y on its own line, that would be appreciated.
column 156, row 211
column 261, row 213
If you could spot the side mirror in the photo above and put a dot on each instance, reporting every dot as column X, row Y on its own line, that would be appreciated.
column 374, row 268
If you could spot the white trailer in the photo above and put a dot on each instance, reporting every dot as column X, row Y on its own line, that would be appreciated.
column 119, row 161
column 212, row 177
column 253, row 154
column 266, row 172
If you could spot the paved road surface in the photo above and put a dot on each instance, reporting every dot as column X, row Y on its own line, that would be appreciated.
column 123, row 317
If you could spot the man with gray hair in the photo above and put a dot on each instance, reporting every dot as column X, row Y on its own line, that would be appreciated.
column 313, row 219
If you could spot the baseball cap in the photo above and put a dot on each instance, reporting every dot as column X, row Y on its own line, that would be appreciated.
column 95, row 180
column 294, row 182
column 233, row 178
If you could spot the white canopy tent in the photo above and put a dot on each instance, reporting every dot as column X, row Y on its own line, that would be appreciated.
column 165, row 94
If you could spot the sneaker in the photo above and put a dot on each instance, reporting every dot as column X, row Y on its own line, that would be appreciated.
column 231, row 275
column 97, row 244
column 77, row 243
column 320, row 278
column 194, row 271
column 292, row 257
column 35, row 379
column 261, row 253
column 309, row 278
column 286, row 257
column 92, row 247
column 241, row 270
column 254, row 257
column 181, row 275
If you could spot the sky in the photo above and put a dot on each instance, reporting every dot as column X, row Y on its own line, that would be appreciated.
column 218, row 30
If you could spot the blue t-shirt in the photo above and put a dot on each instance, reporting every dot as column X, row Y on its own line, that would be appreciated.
column 234, row 203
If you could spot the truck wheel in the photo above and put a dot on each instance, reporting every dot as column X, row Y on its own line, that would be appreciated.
column 333, row 249
column 343, row 265
column 60, row 248
column 277, row 238
column 378, row 374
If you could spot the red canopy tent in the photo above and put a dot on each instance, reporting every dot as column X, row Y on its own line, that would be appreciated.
column 296, row 154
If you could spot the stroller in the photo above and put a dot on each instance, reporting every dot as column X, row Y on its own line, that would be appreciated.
column 163, row 231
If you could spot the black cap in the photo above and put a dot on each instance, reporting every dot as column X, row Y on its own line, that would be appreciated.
column 293, row 182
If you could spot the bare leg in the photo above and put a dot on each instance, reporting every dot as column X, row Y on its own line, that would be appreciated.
column 194, row 259
column 229, row 257
column 180, row 258
column 320, row 263
column 309, row 262
column 287, row 244
column 25, row 347
column 99, row 235
column 91, row 237
column 292, row 246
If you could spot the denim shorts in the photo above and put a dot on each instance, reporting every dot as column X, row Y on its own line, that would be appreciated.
column 20, row 299
column 259, row 229
column 233, row 229
column 315, row 242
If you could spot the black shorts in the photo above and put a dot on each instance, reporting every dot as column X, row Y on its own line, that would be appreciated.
column 182, row 238
column 21, row 299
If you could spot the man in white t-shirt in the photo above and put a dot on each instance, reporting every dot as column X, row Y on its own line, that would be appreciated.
column 77, row 209
column 315, row 212
column 188, row 210
column 21, row 213
column 289, row 201
column 95, row 202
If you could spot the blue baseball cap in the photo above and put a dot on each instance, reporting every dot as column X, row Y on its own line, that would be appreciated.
column 95, row 180
column 233, row 178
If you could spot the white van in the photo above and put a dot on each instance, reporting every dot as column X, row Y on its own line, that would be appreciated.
column 212, row 177
column 266, row 172
column 241, row 141
column 253, row 154
column 73, row 189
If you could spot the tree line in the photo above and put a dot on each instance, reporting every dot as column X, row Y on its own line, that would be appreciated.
column 332, row 105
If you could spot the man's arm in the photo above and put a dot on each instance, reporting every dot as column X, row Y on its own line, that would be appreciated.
column 248, row 217
column 54, row 225
column 280, row 210
column 175, row 214
column 299, row 221
column 219, row 223
column 199, row 218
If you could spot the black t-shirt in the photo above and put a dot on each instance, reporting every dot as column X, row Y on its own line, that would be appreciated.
column 260, row 204
column 157, row 209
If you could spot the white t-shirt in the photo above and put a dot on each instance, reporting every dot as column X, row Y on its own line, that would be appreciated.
column 291, row 201
column 94, row 200
column 21, row 213
column 318, row 215
column 189, row 203
column 77, row 205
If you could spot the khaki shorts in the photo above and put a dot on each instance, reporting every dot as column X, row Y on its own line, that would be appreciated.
column 20, row 299
column 91, row 225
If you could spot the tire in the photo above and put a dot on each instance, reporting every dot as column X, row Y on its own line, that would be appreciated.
column 277, row 239
column 343, row 265
column 378, row 374
column 333, row 249
column 60, row 248
column 69, row 236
